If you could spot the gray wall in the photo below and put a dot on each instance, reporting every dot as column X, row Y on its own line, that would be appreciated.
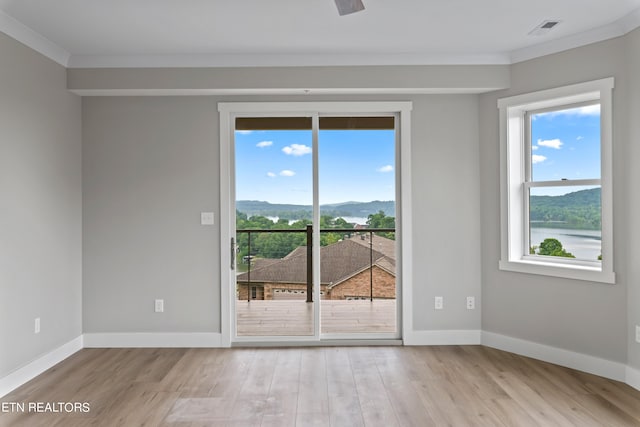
column 446, row 201
column 151, row 166
column 40, row 207
column 585, row 317
column 632, row 196
column 245, row 80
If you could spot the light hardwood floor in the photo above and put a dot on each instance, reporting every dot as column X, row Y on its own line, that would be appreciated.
column 323, row 386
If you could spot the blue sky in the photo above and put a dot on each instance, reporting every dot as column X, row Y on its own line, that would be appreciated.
column 276, row 166
column 566, row 144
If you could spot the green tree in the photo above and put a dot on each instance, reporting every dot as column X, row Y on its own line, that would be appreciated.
column 553, row 247
column 380, row 220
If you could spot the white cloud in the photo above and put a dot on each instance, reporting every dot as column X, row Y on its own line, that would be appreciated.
column 536, row 158
column 387, row 168
column 287, row 173
column 580, row 138
column 271, row 174
column 588, row 110
column 296, row 150
column 244, row 132
column 263, row 144
column 534, row 147
column 551, row 143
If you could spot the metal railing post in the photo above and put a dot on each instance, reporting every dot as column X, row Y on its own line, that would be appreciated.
column 309, row 263
column 249, row 270
column 371, row 265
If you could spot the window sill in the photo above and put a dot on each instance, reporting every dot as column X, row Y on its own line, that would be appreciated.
column 565, row 271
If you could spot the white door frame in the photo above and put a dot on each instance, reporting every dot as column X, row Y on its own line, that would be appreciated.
column 228, row 111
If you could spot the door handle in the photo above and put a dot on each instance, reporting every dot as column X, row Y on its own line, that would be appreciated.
column 233, row 254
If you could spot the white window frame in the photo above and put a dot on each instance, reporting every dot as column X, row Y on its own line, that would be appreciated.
column 515, row 182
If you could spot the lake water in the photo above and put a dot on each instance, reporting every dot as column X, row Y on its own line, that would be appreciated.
column 350, row 219
column 583, row 244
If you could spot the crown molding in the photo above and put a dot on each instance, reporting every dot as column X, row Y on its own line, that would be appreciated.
column 618, row 28
column 51, row 50
column 25, row 35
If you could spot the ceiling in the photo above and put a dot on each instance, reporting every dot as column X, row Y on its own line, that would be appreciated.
column 164, row 33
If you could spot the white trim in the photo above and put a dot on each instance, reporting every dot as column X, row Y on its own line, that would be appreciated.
column 22, row 375
column 443, row 337
column 633, row 377
column 226, row 217
column 404, row 223
column 572, row 41
column 622, row 26
column 576, row 272
column 513, row 205
column 153, row 339
column 630, row 22
column 570, row 359
column 25, row 35
column 359, row 342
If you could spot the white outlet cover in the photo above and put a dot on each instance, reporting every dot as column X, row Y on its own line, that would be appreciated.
column 159, row 306
column 637, row 333
column 471, row 303
column 36, row 325
column 438, row 303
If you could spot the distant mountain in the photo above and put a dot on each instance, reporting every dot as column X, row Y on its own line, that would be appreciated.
column 579, row 210
column 294, row 212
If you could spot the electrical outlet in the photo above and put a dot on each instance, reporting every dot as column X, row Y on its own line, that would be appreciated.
column 439, row 303
column 159, row 306
column 471, row 303
column 637, row 333
column 36, row 326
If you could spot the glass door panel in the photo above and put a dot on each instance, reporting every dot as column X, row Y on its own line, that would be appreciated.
column 357, row 196
column 274, row 206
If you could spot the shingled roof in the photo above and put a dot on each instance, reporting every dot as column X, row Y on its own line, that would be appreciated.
column 338, row 262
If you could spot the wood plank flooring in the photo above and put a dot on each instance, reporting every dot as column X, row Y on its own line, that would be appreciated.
column 321, row 386
column 295, row 318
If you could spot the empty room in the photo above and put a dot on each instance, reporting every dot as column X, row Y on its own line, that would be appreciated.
column 319, row 213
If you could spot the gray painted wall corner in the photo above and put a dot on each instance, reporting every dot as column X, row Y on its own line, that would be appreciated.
column 41, row 228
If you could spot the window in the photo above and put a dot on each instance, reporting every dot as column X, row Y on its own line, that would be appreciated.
column 556, row 189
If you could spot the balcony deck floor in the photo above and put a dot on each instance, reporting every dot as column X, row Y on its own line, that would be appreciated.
column 295, row 318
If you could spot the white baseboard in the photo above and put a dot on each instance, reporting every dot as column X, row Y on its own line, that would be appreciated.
column 152, row 339
column 633, row 377
column 38, row 366
column 442, row 337
column 582, row 362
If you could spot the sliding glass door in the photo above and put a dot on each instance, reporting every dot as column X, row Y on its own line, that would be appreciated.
column 312, row 223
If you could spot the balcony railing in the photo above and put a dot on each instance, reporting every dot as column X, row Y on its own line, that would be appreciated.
column 251, row 256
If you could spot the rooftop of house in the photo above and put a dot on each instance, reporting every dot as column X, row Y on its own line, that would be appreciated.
column 338, row 262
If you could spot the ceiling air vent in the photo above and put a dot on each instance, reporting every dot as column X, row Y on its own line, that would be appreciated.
column 544, row 28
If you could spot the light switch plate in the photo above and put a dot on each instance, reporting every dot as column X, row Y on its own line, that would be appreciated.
column 206, row 218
